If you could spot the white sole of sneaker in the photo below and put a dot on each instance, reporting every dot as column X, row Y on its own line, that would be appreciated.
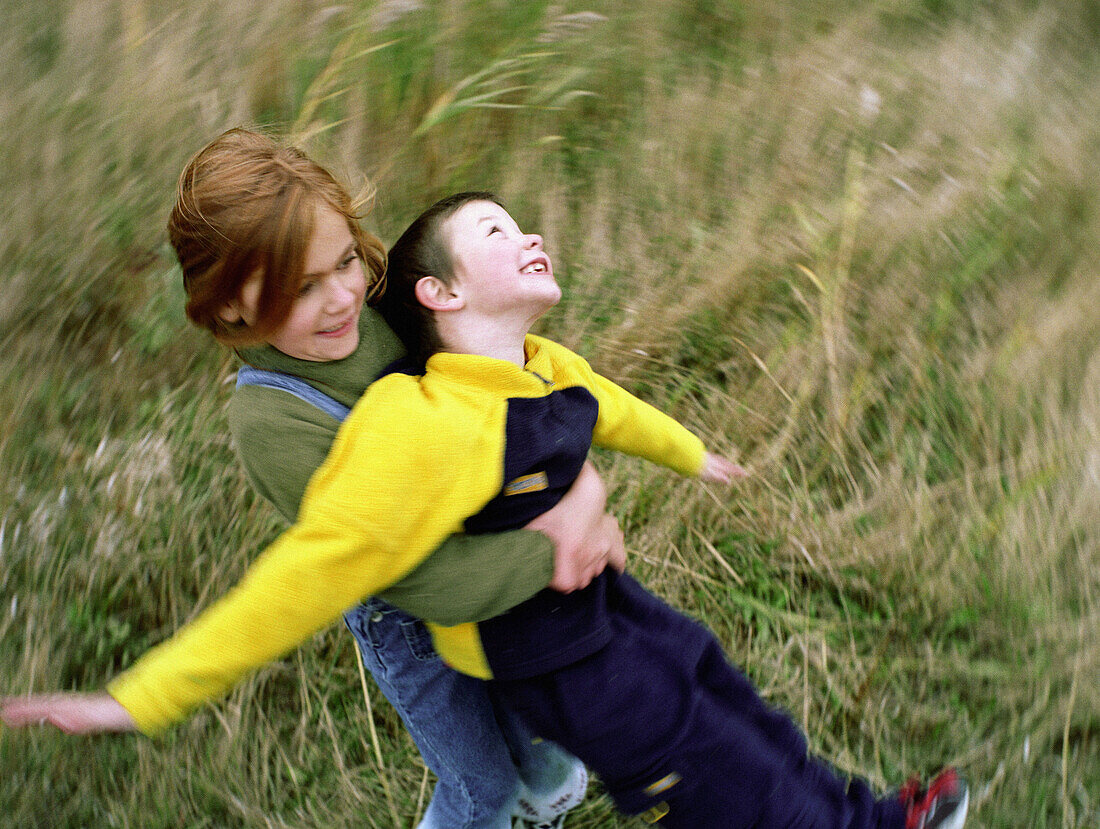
column 959, row 817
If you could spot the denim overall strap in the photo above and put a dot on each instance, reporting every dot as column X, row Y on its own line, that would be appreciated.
column 488, row 767
column 250, row 376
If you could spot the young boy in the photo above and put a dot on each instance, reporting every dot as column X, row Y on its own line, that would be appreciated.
column 487, row 434
column 639, row 692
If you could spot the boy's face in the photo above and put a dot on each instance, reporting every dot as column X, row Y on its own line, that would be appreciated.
column 498, row 268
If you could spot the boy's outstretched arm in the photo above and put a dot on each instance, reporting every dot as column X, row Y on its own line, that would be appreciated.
column 73, row 713
column 627, row 424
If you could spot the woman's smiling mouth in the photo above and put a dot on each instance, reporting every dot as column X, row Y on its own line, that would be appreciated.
column 338, row 330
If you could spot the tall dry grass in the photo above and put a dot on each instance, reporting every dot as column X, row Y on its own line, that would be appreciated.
column 850, row 245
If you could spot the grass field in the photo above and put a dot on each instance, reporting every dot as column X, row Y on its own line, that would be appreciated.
column 851, row 244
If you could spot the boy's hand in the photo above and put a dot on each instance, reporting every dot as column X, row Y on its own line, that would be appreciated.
column 72, row 713
column 719, row 470
column 586, row 538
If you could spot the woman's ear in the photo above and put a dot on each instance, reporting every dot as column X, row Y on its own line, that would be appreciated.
column 230, row 313
column 242, row 309
column 436, row 295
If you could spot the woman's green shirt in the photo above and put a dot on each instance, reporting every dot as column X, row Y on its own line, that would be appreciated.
column 281, row 440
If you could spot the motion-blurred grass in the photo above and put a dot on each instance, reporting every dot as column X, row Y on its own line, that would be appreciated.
column 853, row 244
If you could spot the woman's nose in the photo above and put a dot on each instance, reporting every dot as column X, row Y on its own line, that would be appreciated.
column 340, row 291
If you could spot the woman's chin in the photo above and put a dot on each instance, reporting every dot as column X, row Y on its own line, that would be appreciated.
column 344, row 347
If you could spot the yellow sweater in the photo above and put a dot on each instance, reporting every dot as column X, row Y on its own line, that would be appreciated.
column 416, row 457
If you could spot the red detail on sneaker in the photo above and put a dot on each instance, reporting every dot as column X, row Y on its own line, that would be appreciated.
column 942, row 804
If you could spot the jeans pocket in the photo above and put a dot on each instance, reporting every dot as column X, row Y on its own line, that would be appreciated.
column 357, row 620
column 419, row 640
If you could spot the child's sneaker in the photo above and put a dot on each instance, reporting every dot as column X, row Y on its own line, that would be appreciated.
column 941, row 806
column 556, row 823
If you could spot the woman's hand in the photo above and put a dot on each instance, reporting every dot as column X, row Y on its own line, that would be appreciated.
column 72, row 713
column 586, row 538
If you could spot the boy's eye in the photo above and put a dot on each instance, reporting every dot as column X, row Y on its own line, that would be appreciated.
column 495, row 229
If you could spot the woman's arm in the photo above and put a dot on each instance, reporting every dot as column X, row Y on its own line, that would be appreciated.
column 585, row 540
column 281, row 441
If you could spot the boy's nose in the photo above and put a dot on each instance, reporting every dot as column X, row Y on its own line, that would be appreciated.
column 532, row 240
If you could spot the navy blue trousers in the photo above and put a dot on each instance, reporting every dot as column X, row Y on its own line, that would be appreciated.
column 676, row 733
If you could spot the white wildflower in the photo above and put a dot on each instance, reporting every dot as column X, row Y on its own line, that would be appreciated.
column 870, row 102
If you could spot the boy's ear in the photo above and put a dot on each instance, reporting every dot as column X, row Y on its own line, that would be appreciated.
column 436, row 295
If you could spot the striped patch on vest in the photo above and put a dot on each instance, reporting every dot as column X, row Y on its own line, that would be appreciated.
column 535, row 482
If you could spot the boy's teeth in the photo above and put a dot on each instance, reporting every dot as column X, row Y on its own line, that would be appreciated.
column 534, row 267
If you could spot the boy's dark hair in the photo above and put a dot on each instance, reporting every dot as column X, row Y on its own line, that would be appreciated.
column 421, row 251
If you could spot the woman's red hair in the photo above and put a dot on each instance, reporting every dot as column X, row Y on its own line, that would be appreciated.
column 245, row 204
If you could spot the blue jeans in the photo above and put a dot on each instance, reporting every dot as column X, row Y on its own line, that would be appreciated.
column 488, row 766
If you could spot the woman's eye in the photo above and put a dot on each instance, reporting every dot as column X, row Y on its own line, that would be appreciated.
column 347, row 263
column 307, row 287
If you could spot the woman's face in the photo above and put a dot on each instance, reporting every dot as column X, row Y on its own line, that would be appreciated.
column 323, row 323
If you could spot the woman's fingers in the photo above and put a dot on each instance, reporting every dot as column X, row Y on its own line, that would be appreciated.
column 616, row 553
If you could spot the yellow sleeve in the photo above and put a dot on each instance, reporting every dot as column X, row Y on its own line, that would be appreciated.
column 403, row 474
column 625, row 423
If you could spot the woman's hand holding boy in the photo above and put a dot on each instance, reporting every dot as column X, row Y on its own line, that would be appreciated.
column 586, row 538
